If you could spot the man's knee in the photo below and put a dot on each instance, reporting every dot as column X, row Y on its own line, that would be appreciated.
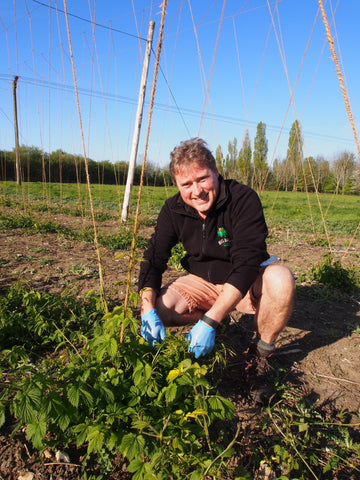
column 278, row 280
column 170, row 304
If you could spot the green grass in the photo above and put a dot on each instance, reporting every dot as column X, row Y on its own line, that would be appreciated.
column 307, row 213
column 298, row 212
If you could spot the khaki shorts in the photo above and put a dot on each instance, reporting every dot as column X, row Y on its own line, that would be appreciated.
column 200, row 294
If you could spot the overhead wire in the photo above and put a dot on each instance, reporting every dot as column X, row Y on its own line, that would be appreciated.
column 78, row 17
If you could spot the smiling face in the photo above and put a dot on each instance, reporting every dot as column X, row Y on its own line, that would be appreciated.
column 198, row 187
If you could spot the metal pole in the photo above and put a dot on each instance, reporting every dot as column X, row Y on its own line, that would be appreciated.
column 17, row 150
column 138, row 120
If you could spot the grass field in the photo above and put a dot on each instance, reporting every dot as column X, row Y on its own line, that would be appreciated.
column 301, row 212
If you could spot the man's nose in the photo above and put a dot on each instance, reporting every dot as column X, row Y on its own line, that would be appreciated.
column 196, row 188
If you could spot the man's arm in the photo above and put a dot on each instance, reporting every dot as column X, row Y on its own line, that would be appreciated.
column 225, row 303
column 202, row 335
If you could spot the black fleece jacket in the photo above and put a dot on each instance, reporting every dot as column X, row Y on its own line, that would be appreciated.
column 227, row 247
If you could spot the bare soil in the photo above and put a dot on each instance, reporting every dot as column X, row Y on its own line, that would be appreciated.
column 319, row 348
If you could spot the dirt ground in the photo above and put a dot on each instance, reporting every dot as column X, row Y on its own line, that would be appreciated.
column 320, row 346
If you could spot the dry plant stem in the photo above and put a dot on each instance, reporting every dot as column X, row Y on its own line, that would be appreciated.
column 342, row 87
column 97, row 247
column 133, row 243
column 224, row 451
column 329, row 377
column 68, row 341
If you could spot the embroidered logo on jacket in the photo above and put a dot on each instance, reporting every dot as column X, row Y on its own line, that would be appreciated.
column 223, row 237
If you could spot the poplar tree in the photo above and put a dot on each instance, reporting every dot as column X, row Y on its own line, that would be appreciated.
column 231, row 159
column 294, row 155
column 260, row 156
column 219, row 157
column 244, row 160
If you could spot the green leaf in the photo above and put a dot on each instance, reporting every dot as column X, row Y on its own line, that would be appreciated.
column 2, row 414
column 28, row 404
column 36, row 433
column 140, row 424
column 132, row 445
column 147, row 371
column 221, row 407
column 135, row 465
column 73, row 396
column 81, row 431
column 105, row 344
column 170, row 393
column 108, row 394
column 196, row 476
column 63, row 421
column 87, row 396
column 303, row 427
column 95, row 438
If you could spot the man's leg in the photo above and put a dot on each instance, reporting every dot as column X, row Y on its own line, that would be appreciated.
column 274, row 294
column 185, row 300
column 174, row 310
column 273, row 298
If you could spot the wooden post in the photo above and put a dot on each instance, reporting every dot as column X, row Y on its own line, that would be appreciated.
column 138, row 120
column 17, row 150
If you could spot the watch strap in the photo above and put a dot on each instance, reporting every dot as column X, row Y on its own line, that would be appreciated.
column 209, row 321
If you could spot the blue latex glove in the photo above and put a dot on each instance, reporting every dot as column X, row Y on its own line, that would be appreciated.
column 202, row 339
column 152, row 328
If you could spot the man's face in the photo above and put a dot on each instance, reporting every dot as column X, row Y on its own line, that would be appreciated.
column 198, row 187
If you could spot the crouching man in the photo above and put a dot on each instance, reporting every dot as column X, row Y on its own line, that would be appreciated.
column 222, row 228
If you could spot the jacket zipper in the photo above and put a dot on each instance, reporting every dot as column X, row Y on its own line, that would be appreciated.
column 203, row 249
column 203, row 238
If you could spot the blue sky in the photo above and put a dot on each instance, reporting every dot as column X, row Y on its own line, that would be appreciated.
column 225, row 66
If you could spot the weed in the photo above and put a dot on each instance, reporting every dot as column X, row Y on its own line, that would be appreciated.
column 301, row 444
column 46, row 261
column 356, row 330
column 81, row 270
column 319, row 241
column 121, row 240
column 331, row 273
column 24, row 258
column 38, row 249
column 177, row 254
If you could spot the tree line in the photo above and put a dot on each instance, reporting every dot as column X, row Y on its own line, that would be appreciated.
column 248, row 164
column 62, row 167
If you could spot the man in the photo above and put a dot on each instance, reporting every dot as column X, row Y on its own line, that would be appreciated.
column 222, row 228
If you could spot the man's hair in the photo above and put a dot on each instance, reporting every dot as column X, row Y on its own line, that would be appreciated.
column 189, row 152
